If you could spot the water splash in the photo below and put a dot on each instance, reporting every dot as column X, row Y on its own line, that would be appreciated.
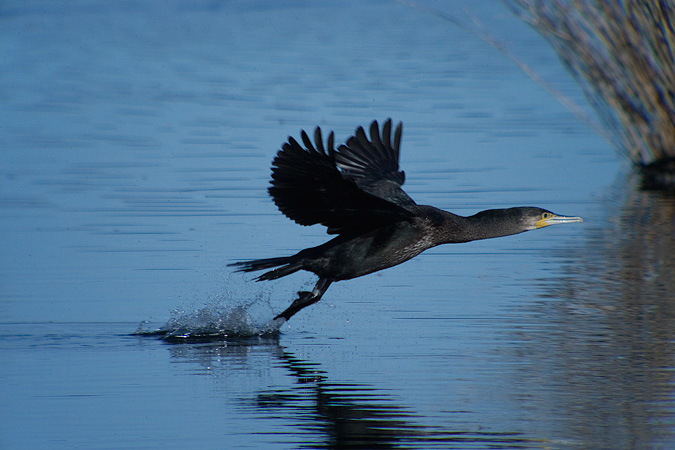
column 213, row 321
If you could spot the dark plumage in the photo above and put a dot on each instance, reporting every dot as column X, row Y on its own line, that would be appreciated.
column 355, row 191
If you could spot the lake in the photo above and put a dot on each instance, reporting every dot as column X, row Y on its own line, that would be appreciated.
column 136, row 142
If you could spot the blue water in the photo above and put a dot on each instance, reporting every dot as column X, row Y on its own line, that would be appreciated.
column 135, row 146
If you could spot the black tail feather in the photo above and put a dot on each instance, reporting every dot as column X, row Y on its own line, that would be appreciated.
column 259, row 264
column 284, row 266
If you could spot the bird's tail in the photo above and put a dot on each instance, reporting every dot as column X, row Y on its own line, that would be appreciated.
column 284, row 266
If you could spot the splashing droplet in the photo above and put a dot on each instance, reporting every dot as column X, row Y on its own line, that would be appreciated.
column 213, row 321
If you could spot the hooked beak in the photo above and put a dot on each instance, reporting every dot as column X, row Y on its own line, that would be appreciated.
column 554, row 219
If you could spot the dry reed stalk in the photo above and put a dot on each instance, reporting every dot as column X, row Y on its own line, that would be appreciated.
column 623, row 54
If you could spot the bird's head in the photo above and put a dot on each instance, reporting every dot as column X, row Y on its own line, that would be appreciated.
column 533, row 218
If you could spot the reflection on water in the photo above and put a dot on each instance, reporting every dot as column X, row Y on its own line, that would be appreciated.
column 605, row 352
column 329, row 414
column 322, row 413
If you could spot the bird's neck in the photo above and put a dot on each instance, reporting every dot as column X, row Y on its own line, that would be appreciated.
column 492, row 223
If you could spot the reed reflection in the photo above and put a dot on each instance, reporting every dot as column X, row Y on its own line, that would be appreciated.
column 325, row 414
column 601, row 357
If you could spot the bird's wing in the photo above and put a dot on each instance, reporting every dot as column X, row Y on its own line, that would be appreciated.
column 373, row 164
column 309, row 189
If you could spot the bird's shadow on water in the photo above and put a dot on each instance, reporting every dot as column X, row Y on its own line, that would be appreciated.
column 319, row 412
column 322, row 413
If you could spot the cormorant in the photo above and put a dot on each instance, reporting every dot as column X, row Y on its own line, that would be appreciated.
column 355, row 191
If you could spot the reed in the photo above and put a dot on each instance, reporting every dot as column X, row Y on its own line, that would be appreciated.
column 622, row 52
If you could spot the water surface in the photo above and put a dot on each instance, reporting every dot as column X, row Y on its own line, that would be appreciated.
column 136, row 142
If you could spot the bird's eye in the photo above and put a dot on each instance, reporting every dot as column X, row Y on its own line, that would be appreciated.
column 545, row 215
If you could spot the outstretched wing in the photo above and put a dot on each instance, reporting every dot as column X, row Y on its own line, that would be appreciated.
column 309, row 189
column 373, row 164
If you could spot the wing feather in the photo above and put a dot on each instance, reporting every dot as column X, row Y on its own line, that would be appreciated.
column 308, row 188
column 373, row 163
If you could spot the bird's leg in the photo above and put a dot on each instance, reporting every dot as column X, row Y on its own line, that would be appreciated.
column 306, row 298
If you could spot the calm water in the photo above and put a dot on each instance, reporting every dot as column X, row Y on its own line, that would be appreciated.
column 135, row 149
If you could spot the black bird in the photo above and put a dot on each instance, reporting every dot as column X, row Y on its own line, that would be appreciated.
column 355, row 191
